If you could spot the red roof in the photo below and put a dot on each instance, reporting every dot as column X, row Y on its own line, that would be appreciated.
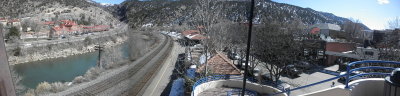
column 315, row 30
column 190, row 32
column 220, row 64
column 13, row 20
column 200, row 27
column 68, row 23
column 48, row 23
column 198, row 37
column 2, row 18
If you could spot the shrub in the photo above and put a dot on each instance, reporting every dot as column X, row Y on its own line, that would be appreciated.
column 43, row 87
column 78, row 80
column 30, row 92
column 58, row 87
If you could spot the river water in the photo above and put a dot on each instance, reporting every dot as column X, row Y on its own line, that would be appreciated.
column 59, row 69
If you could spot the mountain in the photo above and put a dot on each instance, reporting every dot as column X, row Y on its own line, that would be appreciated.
column 164, row 12
column 47, row 10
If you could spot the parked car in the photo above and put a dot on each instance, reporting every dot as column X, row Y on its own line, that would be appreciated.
column 303, row 65
column 233, row 56
column 291, row 70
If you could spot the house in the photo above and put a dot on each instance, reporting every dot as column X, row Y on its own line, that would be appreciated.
column 96, row 28
column 65, row 27
column 190, row 32
column 315, row 30
column 327, row 28
column 220, row 64
column 3, row 21
column 335, row 50
column 193, row 37
column 14, row 22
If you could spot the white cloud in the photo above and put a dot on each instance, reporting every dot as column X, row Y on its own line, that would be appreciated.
column 382, row 2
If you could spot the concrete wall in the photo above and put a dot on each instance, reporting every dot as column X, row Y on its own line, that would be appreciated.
column 367, row 87
column 335, row 91
column 6, row 83
column 261, row 89
column 362, row 87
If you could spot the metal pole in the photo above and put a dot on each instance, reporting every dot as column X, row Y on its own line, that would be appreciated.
column 248, row 46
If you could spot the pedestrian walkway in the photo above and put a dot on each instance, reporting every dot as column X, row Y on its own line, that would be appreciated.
column 332, row 70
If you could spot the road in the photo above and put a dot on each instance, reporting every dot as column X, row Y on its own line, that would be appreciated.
column 161, row 80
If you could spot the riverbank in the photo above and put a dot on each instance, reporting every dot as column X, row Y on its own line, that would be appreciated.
column 51, row 54
column 68, row 47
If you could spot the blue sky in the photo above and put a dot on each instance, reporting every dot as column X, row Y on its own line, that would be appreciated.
column 373, row 13
column 110, row 1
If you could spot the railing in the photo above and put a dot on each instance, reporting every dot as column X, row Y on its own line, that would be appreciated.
column 348, row 73
column 219, row 77
column 238, row 92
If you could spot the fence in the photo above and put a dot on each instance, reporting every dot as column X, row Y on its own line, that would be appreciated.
column 348, row 73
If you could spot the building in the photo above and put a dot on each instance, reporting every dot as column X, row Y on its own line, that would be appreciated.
column 96, row 28
column 220, row 64
column 193, row 37
column 3, row 21
column 325, row 28
column 14, row 22
column 65, row 27
column 334, row 50
column 68, row 27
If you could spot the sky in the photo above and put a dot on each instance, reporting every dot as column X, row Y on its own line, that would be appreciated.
column 373, row 13
column 110, row 1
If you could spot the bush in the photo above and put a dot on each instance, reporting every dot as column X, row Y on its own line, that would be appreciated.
column 30, row 92
column 78, row 80
column 43, row 87
column 87, row 41
column 17, row 51
column 92, row 73
column 13, row 33
column 58, row 87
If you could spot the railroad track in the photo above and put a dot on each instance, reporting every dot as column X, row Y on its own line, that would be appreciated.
column 158, row 54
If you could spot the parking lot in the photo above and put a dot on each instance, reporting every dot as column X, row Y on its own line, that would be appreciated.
column 311, row 77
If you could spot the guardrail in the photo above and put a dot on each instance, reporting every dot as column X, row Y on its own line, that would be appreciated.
column 347, row 75
column 238, row 92
column 219, row 77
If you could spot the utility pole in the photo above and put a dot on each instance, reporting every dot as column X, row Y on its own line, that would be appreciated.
column 248, row 47
column 99, row 48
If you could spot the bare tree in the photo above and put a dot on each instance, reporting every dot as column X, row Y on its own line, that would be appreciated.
column 353, row 28
column 394, row 23
column 208, row 13
column 275, row 45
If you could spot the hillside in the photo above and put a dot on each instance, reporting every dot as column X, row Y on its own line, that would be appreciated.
column 177, row 12
column 46, row 10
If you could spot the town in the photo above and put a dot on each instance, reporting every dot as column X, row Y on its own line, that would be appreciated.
column 199, row 48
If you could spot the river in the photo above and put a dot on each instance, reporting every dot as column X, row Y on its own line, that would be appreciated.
column 59, row 69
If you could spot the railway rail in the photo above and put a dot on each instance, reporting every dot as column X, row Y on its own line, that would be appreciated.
column 153, row 58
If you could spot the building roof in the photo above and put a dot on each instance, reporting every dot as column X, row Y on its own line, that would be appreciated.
column 196, row 37
column 190, row 32
column 327, row 26
column 220, row 64
column 13, row 20
column 48, row 23
column 315, row 30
